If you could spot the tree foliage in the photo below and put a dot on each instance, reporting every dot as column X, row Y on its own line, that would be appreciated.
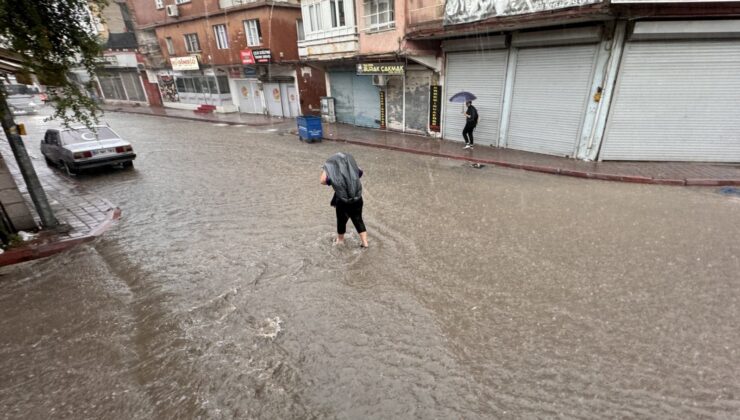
column 53, row 37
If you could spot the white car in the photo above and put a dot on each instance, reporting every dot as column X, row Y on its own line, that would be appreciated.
column 75, row 149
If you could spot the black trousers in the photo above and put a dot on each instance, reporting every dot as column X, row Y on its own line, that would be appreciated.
column 349, row 211
column 468, row 133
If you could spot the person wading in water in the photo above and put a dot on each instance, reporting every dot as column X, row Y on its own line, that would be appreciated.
column 342, row 173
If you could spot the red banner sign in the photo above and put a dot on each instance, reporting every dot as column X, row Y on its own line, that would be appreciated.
column 247, row 56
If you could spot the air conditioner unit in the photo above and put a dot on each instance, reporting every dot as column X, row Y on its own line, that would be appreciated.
column 140, row 67
column 172, row 10
column 380, row 80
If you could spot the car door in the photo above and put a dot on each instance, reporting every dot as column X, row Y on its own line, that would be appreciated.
column 45, row 145
column 55, row 147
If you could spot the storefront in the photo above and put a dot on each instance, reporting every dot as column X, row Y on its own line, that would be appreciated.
column 120, row 80
column 481, row 72
column 195, row 87
column 551, row 89
column 676, row 97
column 407, row 99
column 356, row 98
column 263, row 87
column 532, row 96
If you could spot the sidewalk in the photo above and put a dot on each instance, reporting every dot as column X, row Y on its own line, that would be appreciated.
column 665, row 173
column 234, row 118
column 86, row 216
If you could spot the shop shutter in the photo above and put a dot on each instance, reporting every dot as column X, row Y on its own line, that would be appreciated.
column 343, row 94
column 366, row 101
column 676, row 100
column 481, row 73
column 551, row 91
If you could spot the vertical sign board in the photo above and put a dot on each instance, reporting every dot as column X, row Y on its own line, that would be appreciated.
column 382, row 109
column 435, row 107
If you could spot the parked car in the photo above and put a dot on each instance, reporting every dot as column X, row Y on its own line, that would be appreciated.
column 23, row 99
column 76, row 149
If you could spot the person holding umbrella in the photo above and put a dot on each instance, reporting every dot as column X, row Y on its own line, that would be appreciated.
column 471, row 116
column 471, row 120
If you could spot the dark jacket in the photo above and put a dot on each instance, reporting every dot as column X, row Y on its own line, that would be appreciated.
column 472, row 115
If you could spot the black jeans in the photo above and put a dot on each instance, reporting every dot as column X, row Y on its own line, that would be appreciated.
column 468, row 133
column 349, row 211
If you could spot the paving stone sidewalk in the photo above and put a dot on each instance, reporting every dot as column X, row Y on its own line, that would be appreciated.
column 85, row 216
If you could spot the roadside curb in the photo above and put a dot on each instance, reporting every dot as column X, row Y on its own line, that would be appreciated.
column 33, row 252
column 635, row 179
column 180, row 117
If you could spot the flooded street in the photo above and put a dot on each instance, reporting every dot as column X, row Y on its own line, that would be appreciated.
column 485, row 293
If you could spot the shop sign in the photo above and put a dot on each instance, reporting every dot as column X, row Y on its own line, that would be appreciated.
column 188, row 62
column 388, row 69
column 111, row 60
column 435, row 107
column 462, row 11
column 262, row 56
column 382, row 109
column 247, row 56
column 250, row 71
column 250, row 56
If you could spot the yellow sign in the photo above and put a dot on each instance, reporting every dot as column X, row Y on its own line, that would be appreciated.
column 381, row 69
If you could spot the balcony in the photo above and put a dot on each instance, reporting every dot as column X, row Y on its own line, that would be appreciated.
column 330, row 45
column 425, row 13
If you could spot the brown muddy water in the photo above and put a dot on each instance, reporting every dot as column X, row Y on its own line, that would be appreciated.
column 485, row 293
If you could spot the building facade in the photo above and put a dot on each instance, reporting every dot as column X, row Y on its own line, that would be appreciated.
column 231, row 56
column 590, row 79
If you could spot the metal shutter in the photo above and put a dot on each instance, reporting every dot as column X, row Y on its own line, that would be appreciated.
column 367, row 102
column 343, row 94
column 481, row 73
column 551, row 91
column 676, row 100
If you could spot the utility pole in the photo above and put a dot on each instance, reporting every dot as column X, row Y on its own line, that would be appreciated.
column 35, row 190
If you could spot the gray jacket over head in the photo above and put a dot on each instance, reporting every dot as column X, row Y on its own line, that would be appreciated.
column 344, row 174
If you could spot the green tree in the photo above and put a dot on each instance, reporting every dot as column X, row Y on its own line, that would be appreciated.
column 51, row 37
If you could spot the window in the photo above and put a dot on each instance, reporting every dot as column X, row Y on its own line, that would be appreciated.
column 170, row 46
column 222, row 37
column 223, row 84
column 337, row 13
column 159, row 4
column 191, row 43
column 314, row 15
column 379, row 15
column 254, row 34
column 181, row 1
column 299, row 29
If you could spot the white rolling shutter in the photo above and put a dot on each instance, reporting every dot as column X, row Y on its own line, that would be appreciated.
column 551, row 91
column 481, row 73
column 678, row 101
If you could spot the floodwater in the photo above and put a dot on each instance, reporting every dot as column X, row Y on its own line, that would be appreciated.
column 485, row 293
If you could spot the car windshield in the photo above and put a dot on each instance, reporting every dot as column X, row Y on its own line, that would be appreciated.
column 82, row 135
column 17, row 89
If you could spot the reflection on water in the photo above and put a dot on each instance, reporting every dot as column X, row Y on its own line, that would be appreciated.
column 484, row 293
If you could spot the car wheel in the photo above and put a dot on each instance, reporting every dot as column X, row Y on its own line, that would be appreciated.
column 48, row 161
column 128, row 165
column 68, row 169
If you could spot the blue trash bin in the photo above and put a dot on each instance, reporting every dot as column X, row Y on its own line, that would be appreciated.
column 309, row 128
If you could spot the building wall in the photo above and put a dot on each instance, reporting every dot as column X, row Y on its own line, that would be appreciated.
column 147, row 15
column 381, row 41
column 279, row 34
column 12, row 201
